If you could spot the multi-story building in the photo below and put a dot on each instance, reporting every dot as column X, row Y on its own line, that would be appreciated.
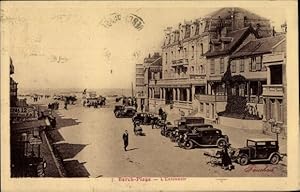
column 274, row 92
column 250, row 62
column 13, row 86
column 185, row 70
column 218, row 58
column 139, row 84
column 150, row 70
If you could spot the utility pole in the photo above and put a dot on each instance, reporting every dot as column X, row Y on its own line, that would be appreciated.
column 132, row 89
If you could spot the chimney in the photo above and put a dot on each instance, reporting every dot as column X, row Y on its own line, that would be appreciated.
column 258, row 30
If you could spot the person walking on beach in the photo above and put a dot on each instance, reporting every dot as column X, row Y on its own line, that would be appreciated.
column 125, row 139
column 66, row 103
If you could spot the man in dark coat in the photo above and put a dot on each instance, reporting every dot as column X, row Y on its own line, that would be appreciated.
column 226, row 160
column 125, row 139
column 160, row 112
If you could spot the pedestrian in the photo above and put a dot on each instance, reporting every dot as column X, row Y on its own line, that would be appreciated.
column 160, row 112
column 226, row 160
column 125, row 139
column 66, row 104
column 217, row 118
column 142, row 107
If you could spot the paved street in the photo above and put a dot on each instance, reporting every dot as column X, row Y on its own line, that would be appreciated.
column 90, row 144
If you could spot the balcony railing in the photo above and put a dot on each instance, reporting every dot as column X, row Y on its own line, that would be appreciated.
column 255, row 99
column 180, row 62
column 272, row 90
column 183, row 104
column 211, row 98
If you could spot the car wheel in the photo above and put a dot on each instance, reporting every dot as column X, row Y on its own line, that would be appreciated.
column 275, row 159
column 189, row 145
column 221, row 143
column 243, row 159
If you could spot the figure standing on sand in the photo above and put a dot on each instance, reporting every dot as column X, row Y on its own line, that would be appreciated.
column 125, row 140
column 66, row 104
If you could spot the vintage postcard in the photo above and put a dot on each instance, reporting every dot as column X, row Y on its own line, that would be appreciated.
column 156, row 96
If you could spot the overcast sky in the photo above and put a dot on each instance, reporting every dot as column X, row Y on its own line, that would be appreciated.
column 64, row 45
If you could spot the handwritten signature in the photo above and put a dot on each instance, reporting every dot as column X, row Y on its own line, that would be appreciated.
column 263, row 168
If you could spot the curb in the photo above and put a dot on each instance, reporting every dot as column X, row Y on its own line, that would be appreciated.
column 53, row 156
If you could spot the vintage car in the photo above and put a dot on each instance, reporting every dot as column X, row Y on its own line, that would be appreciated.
column 182, row 122
column 127, row 112
column 145, row 118
column 191, row 120
column 205, row 137
column 187, row 128
column 259, row 150
column 118, row 108
column 94, row 102
column 168, row 128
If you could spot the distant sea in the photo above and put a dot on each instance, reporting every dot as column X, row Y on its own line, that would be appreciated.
column 47, row 91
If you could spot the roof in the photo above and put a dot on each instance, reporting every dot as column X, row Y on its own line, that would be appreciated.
column 261, row 139
column 157, row 62
column 198, row 125
column 258, row 46
column 227, row 11
column 237, row 37
column 210, row 129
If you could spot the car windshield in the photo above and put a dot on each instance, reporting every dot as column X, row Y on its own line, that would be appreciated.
column 250, row 143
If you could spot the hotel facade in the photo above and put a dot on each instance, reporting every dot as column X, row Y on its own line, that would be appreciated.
column 196, row 55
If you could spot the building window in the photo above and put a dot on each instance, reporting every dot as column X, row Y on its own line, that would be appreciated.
column 272, row 109
column 192, row 69
column 166, row 58
column 201, row 107
column 280, row 110
column 201, row 47
column 212, row 66
column 233, row 66
column 172, row 55
column 202, row 69
column 185, row 53
column 193, row 50
column 207, row 109
column 242, row 65
column 252, row 64
column 258, row 63
column 221, row 65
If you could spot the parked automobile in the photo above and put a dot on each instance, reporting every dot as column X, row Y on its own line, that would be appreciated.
column 95, row 102
column 191, row 120
column 189, row 128
column 164, row 126
column 126, row 112
column 118, row 108
column 169, row 128
column 182, row 122
column 145, row 118
column 206, row 137
column 259, row 150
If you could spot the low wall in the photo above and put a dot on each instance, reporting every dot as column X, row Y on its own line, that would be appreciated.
column 241, row 123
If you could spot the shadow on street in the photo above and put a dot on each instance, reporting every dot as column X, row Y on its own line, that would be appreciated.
column 75, row 169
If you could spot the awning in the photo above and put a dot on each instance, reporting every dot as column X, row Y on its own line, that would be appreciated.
column 28, row 126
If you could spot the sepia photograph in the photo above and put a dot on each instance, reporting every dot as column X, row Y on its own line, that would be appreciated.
column 147, row 92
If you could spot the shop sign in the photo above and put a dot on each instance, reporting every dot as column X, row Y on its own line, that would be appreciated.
column 24, row 113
